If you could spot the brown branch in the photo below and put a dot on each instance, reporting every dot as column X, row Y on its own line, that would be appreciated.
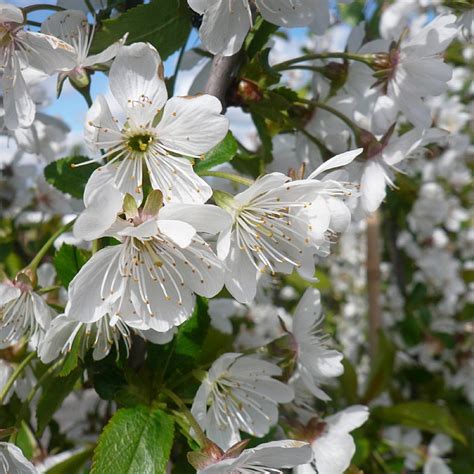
column 373, row 279
column 224, row 70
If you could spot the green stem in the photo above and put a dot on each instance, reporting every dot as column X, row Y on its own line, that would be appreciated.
column 355, row 129
column 201, row 437
column 48, row 289
column 230, row 176
column 307, row 68
column 84, row 91
column 44, row 249
column 33, row 23
column 363, row 58
column 90, row 7
column 41, row 6
column 322, row 148
column 19, row 370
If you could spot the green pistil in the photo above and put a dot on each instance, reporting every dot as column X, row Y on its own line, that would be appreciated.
column 140, row 142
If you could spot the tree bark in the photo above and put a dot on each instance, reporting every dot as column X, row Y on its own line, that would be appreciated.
column 224, row 70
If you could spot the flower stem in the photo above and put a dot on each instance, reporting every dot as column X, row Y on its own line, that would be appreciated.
column 363, row 58
column 41, row 6
column 44, row 249
column 201, row 437
column 48, row 289
column 19, row 370
column 355, row 128
column 230, row 176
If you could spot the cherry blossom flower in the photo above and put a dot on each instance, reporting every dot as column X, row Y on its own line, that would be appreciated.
column 12, row 460
column 266, row 458
column 22, row 312
column 150, row 278
column 278, row 225
column 188, row 128
column 101, row 336
column 72, row 27
column 333, row 446
column 315, row 362
column 239, row 393
column 20, row 49
column 413, row 69
column 382, row 159
column 226, row 24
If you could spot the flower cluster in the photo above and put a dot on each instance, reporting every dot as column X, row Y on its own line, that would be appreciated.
column 172, row 269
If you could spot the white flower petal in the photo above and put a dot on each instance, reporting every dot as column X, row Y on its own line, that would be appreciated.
column 241, row 275
column 191, row 126
column 372, row 186
column 224, row 25
column 179, row 232
column 209, row 219
column 98, row 282
column 290, row 14
column 49, row 54
column 136, row 82
column 342, row 159
column 19, row 106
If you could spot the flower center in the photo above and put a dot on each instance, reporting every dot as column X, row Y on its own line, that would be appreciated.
column 140, row 143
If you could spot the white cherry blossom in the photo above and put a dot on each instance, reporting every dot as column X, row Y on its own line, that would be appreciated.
column 226, row 23
column 101, row 336
column 315, row 361
column 150, row 278
column 72, row 27
column 383, row 159
column 413, row 69
column 239, row 393
column 333, row 446
column 266, row 458
column 20, row 49
column 186, row 128
column 279, row 224
column 22, row 312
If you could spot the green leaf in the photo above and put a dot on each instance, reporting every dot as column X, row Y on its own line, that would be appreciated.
column 421, row 415
column 136, row 440
column 221, row 153
column 258, row 38
column 72, row 357
column 163, row 23
column 184, row 352
column 72, row 464
column 53, row 393
column 259, row 71
column 68, row 179
column 107, row 377
column 68, row 260
column 381, row 370
column 352, row 13
column 26, row 441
